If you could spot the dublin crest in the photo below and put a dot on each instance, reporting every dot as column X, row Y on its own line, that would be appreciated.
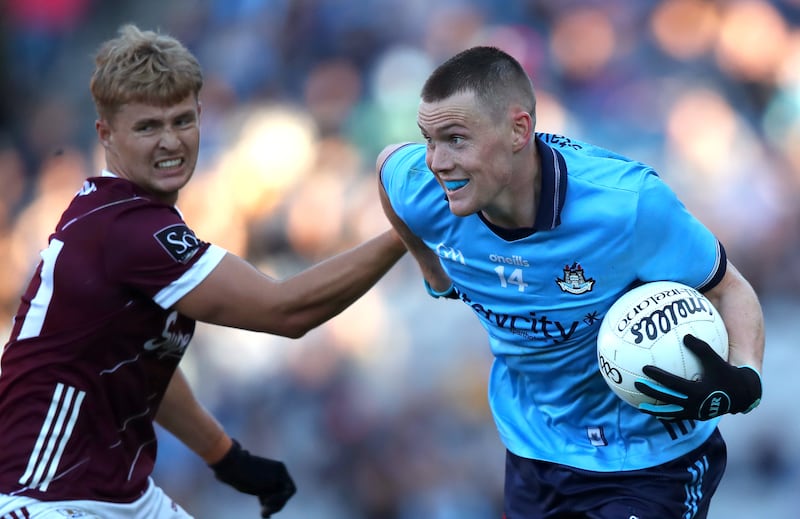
column 574, row 280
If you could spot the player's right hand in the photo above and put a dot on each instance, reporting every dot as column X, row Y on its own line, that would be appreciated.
column 722, row 389
column 262, row 477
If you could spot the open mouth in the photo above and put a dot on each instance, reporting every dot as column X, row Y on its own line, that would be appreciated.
column 455, row 185
column 169, row 164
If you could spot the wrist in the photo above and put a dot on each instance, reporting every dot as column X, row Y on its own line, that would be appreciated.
column 752, row 386
column 217, row 450
column 449, row 292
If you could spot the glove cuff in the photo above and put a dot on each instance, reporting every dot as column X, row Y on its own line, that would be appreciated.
column 450, row 293
column 227, row 463
column 751, row 389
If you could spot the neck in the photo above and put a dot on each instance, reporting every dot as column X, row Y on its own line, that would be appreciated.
column 518, row 205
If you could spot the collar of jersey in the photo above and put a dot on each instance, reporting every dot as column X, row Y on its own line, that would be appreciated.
column 551, row 198
column 554, row 187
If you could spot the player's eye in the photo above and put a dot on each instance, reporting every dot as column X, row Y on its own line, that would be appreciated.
column 184, row 121
column 145, row 127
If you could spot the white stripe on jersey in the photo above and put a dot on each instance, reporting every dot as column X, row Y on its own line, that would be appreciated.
column 65, row 411
column 170, row 294
column 34, row 317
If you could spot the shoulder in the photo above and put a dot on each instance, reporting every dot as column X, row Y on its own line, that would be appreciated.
column 124, row 218
column 386, row 152
column 599, row 166
column 406, row 153
column 402, row 170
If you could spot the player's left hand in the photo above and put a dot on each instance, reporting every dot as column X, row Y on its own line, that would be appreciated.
column 722, row 389
column 265, row 478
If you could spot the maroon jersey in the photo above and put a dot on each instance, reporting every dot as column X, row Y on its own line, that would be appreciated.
column 94, row 344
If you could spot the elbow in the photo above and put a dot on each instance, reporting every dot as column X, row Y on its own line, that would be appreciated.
column 294, row 333
column 293, row 327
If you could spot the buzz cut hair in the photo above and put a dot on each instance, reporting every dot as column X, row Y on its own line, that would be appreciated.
column 495, row 77
column 143, row 66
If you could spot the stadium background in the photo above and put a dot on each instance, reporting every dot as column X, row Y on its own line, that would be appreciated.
column 381, row 413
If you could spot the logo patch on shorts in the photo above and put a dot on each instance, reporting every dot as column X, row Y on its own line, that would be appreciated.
column 179, row 241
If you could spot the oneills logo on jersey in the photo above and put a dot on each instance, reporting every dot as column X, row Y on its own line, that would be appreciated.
column 574, row 280
column 179, row 241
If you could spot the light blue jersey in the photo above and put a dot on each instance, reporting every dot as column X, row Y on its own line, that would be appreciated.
column 604, row 224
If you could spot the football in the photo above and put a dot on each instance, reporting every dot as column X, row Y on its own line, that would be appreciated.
column 646, row 325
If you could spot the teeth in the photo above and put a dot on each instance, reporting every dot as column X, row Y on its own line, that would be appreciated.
column 168, row 163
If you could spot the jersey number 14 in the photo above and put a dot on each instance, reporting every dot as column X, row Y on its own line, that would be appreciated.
column 515, row 278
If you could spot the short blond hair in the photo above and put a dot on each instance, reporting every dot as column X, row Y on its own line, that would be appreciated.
column 143, row 66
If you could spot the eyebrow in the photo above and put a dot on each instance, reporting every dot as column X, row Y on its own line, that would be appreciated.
column 443, row 129
column 158, row 120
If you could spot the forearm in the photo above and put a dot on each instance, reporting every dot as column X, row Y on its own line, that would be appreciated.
column 326, row 289
column 183, row 416
column 238, row 295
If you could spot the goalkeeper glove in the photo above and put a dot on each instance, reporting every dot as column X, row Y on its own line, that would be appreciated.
column 723, row 388
column 265, row 478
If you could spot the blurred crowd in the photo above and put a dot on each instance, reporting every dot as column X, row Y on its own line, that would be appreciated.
column 381, row 413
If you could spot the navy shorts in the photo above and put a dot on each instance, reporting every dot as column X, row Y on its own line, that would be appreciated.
column 680, row 489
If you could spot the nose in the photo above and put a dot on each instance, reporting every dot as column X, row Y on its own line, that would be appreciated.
column 438, row 159
column 169, row 139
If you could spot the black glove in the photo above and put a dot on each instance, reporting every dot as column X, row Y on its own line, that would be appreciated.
column 723, row 388
column 262, row 477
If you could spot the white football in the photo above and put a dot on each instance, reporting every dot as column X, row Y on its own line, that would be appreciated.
column 646, row 325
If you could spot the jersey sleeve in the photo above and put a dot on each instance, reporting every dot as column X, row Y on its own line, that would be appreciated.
column 670, row 243
column 151, row 250
column 410, row 186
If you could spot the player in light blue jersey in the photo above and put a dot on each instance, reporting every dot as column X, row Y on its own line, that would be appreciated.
column 539, row 234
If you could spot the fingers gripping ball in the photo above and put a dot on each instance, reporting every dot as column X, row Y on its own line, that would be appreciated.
column 722, row 389
column 646, row 326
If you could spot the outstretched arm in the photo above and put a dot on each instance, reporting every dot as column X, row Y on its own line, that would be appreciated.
column 238, row 295
column 428, row 261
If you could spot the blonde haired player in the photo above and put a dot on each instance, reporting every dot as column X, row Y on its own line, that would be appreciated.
column 93, row 355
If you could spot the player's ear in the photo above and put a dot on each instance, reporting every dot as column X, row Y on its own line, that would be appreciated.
column 103, row 130
column 521, row 129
